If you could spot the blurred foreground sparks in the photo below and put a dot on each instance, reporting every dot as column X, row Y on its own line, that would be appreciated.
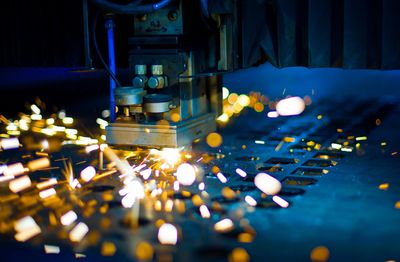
column 44, row 190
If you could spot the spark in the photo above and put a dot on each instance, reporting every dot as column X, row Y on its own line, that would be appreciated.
column 260, row 142
column 45, row 144
column 224, row 225
column 171, row 156
column 280, row 201
column 272, row 114
column 146, row 173
column 50, row 121
column 78, row 232
column 91, row 148
column 168, row 234
column 108, row 249
column 169, row 205
column 214, row 140
column 101, row 122
column 336, row 146
column 290, row 106
column 36, row 117
column 47, row 193
column 185, row 174
column 6, row 178
column 320, row 254
column 176, row 185
column 50, row 249
column 267, row 184
column 128, row 200
column 384, row 186
column 250, row 200
column 361, row 138
column 9, row 143
column 223, row 118
column 68, row 218
column 122, row 165
column 38, row 164
column 20, row 184
column 14, row 170
column 144, row 251
column 222, row 178
column 205, row 213
column 228, row 193
column 68, row 120
column 347, row 149
column 26, row 228
column 88, row 173
column 35, row 109
column 225, row 93
column 202, row 186
column 239, row 255
column 240, row 172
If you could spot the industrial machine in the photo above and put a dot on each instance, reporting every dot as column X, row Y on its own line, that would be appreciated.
column 178, row 51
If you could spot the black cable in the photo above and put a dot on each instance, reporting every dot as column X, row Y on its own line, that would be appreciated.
column 109, row 72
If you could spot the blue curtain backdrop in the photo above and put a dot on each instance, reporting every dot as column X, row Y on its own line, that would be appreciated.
column 322, row 33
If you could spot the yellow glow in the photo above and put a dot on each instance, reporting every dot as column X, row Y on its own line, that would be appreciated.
column 232, row 98
column 108, row 249
column 214, row 140
column 48, row 183
column 258, row 107
column 384, row 186
column 68, row 120
column 239, row 255
column 243, row 100
column 319, row 254
column 223, row 118
column 171, row 155
column 38, row 164
column 144, row 251
column 175, row 117
column 225, row 93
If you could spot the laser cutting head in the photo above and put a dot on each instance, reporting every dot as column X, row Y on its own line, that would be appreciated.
column 177, row 55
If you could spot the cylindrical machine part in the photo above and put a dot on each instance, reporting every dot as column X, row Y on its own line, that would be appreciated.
column 139, row 81
column 156, row 82
column 126, row 96
column 157, row 70
column 156, row 103
column 140, row 69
